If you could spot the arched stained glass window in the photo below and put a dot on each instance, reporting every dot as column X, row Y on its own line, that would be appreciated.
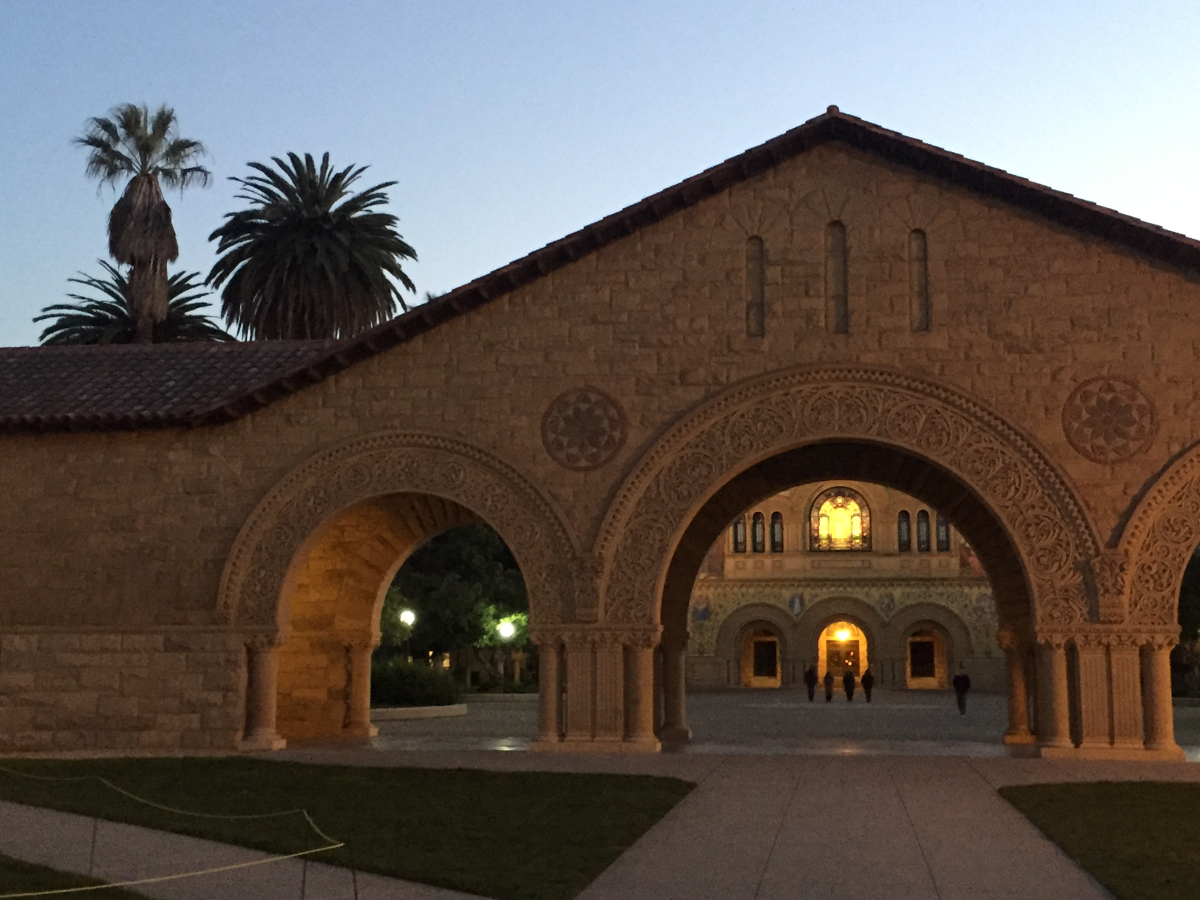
column 840, row 520
column 739, row 535
column 904, row 532
column 923, row 531
column 758, row 534
column 943, row 534
column 776, row 532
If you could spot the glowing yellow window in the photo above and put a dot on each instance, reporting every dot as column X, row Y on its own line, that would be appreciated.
column 840, row 521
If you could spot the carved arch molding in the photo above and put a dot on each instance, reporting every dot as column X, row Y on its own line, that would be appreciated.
column 771, row 415
column 1157, row 544
column 390, row 463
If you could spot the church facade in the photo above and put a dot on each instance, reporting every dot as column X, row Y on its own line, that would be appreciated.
column 195, row 540
column 842, row 576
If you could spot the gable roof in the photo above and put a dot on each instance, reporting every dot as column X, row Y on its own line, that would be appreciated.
column 188, row 385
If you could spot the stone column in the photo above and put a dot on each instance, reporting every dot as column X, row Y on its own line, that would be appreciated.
column 1094, row 731
column 262, row 687
column 639, row 693
column 550, row 694
column 1018, row 693
column 579, row 688
column 1156, row 687
column 1126, row 688
column 358, row 690
column 1055, row 720
column 675, row 726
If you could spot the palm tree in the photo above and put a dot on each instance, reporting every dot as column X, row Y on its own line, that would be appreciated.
column 110, row 319
column 144, row 148
column 309, row 259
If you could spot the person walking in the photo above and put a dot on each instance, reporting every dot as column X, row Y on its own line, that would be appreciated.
column 868, row 682
column 810, row 682
column 962, row 684
column 848, row 685
column 828, row 686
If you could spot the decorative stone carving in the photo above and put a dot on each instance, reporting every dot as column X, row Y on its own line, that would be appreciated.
column 1110, row 574
column 583, row 429
column 1159, row 540
column 1107, row 420
column 783, row 411
column 389, row 463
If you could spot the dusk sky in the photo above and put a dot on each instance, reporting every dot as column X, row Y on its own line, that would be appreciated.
column 510, row 124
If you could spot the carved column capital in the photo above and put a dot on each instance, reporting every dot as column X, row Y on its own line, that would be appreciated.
column 1109, row 581
column 265, row 640
column 587, row 573
column 1053, row 641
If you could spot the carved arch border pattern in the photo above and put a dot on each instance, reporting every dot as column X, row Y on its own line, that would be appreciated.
column 389, row 463
column 776, row 413
column 1157, row 543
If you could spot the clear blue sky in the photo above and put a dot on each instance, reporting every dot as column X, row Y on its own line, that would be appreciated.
column 509, row 124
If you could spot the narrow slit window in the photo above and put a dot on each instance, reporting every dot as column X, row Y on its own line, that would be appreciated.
column 776, row 532
column 756, row 287
column 739, row 535
column 837, row 308
column 943, row 534
column 918, row 281
column 758, row 534
column 923, row 532
column 904, row 532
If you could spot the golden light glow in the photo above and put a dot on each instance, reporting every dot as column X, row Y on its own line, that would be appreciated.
column 839, row 524
column 842, row 634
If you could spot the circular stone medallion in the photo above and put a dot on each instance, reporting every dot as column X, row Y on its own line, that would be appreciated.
column 1108, row 420
column 583, row 429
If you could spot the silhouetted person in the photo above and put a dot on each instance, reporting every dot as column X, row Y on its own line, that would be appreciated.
column 810, row 682
column 828, row 686
column 848, row 685
column 962, row 684
column 868, row 682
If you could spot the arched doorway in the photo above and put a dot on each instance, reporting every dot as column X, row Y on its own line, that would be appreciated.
column 842, row 647
column 1022, row 519
column 311, row 566
column 761, row 657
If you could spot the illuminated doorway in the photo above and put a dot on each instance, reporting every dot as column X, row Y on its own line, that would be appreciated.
column 842, row 646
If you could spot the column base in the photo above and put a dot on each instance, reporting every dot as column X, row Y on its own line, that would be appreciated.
column 360, row 732
column 1020, row 737
column 1130, row 754
column 675, row 733
column 260, row 742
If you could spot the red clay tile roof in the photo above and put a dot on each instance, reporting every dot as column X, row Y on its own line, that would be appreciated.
column 181, row 385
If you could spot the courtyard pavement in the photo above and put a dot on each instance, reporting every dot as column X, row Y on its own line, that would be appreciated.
column 895, row 801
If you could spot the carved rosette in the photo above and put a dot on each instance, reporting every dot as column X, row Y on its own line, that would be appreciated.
column 1107, row 420
column 1161, row 536
column 391, row 463
column 782, row 412
column 583, row 429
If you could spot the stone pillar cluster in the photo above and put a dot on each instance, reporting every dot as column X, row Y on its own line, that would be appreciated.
column 597, row 690
column 262, row 689
column 1103, row 694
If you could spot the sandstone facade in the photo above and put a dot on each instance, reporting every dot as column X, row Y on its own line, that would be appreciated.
column 842, row 303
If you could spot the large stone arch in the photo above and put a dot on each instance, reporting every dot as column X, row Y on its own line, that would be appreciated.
column 1008, row 476
column 291, row 515
column 1144, row 573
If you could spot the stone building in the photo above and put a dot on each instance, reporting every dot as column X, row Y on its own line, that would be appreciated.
column 842, row 575
column 195, row 540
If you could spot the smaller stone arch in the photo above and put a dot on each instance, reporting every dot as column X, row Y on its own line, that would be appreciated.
column 814, row 620
column 293, row 513
column 1141, row 577
column 744, row 618
column 908, row 619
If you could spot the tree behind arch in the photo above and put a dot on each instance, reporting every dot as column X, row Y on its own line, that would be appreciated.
column 309, row 258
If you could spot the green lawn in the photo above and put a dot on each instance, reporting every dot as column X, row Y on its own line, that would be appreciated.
column 509, row 835
column 1141, row 840
column 18, row 877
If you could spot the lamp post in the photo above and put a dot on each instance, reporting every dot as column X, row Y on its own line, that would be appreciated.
column 407, row 618
column 506, row 630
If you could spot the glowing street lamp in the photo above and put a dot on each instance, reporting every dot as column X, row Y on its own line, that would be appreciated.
column 842, row 634
column 407, row 618
column 506, row 630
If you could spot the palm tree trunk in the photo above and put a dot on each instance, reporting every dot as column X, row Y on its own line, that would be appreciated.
column 148, row 296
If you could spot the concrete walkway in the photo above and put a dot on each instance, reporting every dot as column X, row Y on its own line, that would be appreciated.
column 757, row 827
